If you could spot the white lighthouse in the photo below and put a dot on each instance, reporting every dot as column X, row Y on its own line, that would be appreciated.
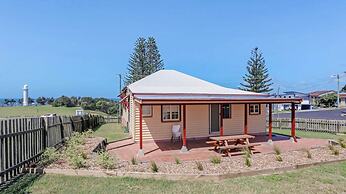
column 25, row 95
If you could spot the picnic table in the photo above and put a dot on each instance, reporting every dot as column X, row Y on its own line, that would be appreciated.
column 226, row 143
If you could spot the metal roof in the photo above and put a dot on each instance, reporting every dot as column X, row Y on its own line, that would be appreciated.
column 174, row 82
column 212, row 98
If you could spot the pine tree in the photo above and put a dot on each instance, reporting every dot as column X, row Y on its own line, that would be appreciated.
column 343, row 89
column 154, row 60
column 145, row 60
column 257, row 77
column 138, row 62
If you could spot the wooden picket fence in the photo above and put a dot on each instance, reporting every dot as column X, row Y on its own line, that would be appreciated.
column 23, row 140
column 111, row 119
column 316, row 125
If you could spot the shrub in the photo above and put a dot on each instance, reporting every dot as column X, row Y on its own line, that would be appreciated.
column 177, row 160
column 199, row 166
column 106, row 160
column 77, row 161
column 154, row 167
column 75, row 156
column 342, row 142
column 277, row 150
column 134, row 160
column 334, row 150
column 215, row 160
column 247, row 161
column 49, row 156
column 76, row 139
column 278, row 158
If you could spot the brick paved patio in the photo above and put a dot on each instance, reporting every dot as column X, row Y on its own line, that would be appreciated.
column 165, row 151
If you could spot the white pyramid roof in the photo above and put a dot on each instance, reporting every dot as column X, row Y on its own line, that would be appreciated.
column 174, row 82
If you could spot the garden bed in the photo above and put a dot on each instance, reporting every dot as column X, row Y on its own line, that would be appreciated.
column 104, row 163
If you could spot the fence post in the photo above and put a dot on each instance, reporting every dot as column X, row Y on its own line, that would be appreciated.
column 280, row 124
column 62, row 140
column 45, row 132
column 338, row 127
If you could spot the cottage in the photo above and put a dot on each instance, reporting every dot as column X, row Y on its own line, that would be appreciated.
column 152, row 105
column 316, row 96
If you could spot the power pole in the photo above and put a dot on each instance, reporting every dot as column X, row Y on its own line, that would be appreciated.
column 277, row 105
column 338, row 97
column 337, row 76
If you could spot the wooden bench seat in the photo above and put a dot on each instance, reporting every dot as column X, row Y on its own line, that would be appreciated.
column 239, row 146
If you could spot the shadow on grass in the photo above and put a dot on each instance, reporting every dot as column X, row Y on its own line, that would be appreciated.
column 20, row 184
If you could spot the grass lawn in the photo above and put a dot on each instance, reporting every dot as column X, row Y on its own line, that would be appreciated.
column 309, row 134
column 111, row 131
column 30, row 111
column 320, row 179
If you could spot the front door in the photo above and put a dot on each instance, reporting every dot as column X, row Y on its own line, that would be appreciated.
column 214, row 118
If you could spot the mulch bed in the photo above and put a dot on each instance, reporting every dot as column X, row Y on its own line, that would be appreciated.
column 234, row 164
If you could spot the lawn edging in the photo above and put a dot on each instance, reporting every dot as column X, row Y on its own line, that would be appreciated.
column 167, row 176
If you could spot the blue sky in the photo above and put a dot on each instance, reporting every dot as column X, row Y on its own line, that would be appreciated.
column 78, row 47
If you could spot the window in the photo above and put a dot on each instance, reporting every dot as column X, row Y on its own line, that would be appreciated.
column 226, row 111
column 147, row 110
column 255, row 109
column 170, row 113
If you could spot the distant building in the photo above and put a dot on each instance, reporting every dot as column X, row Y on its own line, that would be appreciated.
column 25, row 95
column 343, row 99
column 305, row 105
column 316, row 95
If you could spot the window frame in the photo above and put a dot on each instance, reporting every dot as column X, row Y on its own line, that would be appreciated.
column 255, row 113
column 230, row 111
column 171, row 120
column 151, row 111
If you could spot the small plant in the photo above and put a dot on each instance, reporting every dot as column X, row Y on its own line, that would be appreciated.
column 49, row 156
column 331, row 147
column 76, row 139
column 75, row 155
column 134, row 160
column 154, row 167
column 278, row 158
column 177, row 160
column 247, row 152
column 77, row 161
column 89, row 133
column 277, row 154
column 342, row 142
column 106, row 160
column 248, row 161
column 199, row 166
column 277, row 150
column 308, row 153
column 336, row 152
column 215, row 160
